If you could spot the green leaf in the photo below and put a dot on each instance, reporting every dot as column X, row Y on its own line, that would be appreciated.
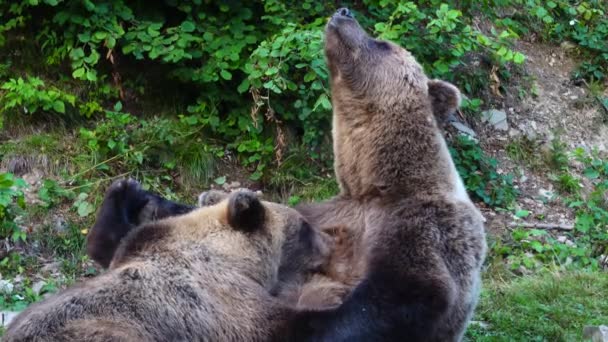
column 89, row 5
column 220, row 180
column 111, row 42
column 522, row 213
column 59, row 106
column 78, row 73
column 91, row 75
column 84, row 37
column 591, row 173
column 188, row 26
column 85, row 209
column 243, row 87
column 118, row 106
column 226, row 75
column 100, row 35
column 519, row 58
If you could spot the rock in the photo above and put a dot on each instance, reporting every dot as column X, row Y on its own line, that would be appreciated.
column 496, row 118
column 566, row 45
column 514, row 132
column 6, row 286
column 60, row 225
column 7, row 317
column 51, row 268
column 596, row 333
column 37, row 287
column 462, row 128
column 545, row 194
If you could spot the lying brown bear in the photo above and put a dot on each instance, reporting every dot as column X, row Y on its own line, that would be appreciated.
column 206, row 275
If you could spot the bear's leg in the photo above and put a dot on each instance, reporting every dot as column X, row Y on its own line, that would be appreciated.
column 336, row 212
column 125, row 206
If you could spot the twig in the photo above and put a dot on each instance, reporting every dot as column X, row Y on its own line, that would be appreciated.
column 547, row 226
column 95, row 166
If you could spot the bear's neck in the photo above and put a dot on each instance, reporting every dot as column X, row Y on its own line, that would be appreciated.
column 390, row 150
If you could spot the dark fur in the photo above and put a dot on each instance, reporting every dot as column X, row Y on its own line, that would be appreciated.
column 192, row 277
column 121, row 212
column 418, row 241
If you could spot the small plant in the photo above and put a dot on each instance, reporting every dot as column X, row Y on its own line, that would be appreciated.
column 51, row 193
column 524, row 150
column 12, row 202
column 31, row 95
column 480, row 175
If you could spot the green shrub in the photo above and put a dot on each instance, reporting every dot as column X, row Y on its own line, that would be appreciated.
column 479, row 173
column 12, row 202
column 31, row 95
column 254, row 71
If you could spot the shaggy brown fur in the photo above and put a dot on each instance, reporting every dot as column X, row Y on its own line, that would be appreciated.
column 202, row 276
column 419, row 241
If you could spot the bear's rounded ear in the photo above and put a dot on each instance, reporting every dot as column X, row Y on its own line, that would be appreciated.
column 445, row 99
column 245, row 211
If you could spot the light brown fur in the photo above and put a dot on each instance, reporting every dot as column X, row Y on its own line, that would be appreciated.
column 418, row 240
column 200, row 276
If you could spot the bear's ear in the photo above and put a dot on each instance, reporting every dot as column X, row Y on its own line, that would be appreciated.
column 245, row 211
column 211, row 197
column 445, row 99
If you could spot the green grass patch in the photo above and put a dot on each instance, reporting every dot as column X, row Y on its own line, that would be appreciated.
column 542, row 307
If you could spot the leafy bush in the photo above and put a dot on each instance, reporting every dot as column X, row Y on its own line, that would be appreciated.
column 480, row 175
column 254, row 72
column 583, row 23
column 31, row 95
column 11, row 201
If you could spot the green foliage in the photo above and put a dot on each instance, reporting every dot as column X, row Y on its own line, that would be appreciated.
column 544, row 307
column 254, row 71
column 479, row 173
column 439, row 35
column 51, row 193
column 12, row 202
column 31, row 95
column 583, row 23
column 585, row 246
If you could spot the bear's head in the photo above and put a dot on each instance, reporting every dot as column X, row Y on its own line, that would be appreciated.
column 303, row 249
column 267, row 241
column 364, row 68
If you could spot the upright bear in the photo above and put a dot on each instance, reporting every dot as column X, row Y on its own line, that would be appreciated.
column 202, row 276
column 419, row 241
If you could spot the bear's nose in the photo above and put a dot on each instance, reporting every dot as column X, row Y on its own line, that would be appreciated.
column 344, row 12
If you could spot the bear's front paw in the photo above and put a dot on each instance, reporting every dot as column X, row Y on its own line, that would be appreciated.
column 126, row 195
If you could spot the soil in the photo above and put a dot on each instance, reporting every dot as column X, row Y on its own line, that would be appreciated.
column 560, row 109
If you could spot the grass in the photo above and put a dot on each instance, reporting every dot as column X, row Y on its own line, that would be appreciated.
column 542, row 307
column 525, row 150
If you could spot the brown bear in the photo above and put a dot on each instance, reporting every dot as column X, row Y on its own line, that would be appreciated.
column 418, row 240
column 202, row 276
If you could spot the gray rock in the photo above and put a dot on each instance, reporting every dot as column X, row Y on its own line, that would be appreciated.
column 7, row 317
column 596, row 333
column 37, row 287
column 462, row 128
column 496, row 118
column 566, row 45
column 60, row 225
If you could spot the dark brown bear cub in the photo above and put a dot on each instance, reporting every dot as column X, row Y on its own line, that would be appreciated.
column 202, row 276
column 419, row 241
